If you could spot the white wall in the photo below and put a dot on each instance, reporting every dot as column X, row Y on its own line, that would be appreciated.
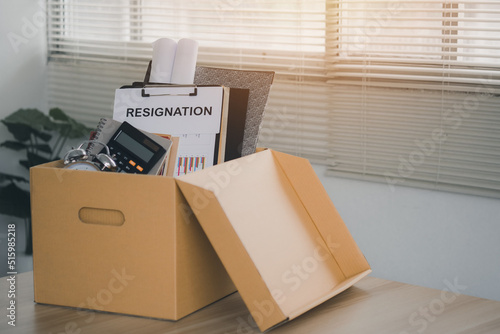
column 422, row 237
column 22, row 85
column 22, row 63
column 23, row 56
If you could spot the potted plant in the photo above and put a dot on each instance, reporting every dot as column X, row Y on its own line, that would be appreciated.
column 39, row 138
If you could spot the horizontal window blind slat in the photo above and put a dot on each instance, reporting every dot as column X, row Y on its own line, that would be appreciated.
column 428, row 86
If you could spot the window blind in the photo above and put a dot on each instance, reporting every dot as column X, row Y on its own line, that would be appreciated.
column 95, row 47
column 415, row 93
column 400, row 92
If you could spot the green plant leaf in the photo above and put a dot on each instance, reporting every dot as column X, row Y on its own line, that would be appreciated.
column 68, row 126
column 33, row 118
column 25, row 163
column 14, row 201
column 9, row 177
column 33, row 160
column 14, row 145
column 45, row 136
column 58, row 114
column 37, row 159
column 79, row 130
column 21, row 132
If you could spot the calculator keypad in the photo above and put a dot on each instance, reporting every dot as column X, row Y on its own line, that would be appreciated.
column 125, row 163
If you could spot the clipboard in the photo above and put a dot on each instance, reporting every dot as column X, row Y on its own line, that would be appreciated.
column 195, row 114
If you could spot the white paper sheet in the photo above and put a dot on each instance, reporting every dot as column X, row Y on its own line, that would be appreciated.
column 162, row 63
column 185, row 62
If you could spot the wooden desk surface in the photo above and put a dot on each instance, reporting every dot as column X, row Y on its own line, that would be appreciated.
column 371, row 306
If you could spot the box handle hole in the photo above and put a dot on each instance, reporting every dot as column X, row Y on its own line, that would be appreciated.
column 101, row 216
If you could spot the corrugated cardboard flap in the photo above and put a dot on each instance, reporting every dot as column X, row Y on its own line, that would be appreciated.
column 277, row 233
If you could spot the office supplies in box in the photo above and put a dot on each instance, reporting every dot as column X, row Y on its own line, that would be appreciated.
column 130, row 243
column 175, row 63
column 197, row 115
column 256, row 84
column 108, row 128
column 277, row 233
column 117, row 242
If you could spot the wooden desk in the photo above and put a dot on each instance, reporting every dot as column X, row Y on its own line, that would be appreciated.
column 371, row 306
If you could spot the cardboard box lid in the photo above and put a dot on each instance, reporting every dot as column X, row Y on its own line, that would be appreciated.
column 277, row 233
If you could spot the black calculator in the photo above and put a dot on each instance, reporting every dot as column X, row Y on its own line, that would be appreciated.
column 133, row 151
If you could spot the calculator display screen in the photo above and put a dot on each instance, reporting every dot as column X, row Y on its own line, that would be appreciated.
column 134, row 146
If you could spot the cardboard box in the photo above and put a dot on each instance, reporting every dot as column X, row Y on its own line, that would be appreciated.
column 131, row 243
column 121, row 243
column 277, row 233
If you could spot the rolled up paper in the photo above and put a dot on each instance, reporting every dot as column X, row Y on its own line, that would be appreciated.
column 185, row 62
column 164, row 50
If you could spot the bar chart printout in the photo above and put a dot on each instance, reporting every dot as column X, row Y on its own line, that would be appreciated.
column 190, row 164
column 196, row 151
